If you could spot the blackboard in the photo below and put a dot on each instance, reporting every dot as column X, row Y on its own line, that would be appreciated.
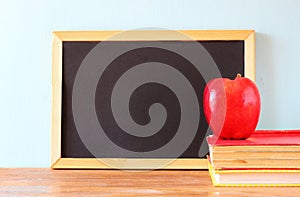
column 134, row 92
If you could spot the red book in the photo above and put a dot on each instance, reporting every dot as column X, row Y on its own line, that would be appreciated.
column 261, row 138
column 264, row 149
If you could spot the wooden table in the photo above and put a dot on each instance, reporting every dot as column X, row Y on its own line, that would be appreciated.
column 47, row 182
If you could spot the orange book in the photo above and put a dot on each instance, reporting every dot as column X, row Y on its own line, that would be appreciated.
column 254, row 177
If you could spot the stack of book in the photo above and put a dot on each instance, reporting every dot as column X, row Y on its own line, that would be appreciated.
column 267, row 158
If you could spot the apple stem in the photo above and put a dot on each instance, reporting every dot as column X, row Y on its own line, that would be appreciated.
column 238, row 75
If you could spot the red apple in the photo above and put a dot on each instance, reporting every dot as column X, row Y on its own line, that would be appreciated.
column 232, row 107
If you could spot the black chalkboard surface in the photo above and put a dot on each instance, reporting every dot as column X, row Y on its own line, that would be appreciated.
column 130, row 99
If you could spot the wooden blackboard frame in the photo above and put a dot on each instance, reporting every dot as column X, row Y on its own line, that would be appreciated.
column 57, row 162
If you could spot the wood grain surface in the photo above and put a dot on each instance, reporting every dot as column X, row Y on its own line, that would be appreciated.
column 47, row 182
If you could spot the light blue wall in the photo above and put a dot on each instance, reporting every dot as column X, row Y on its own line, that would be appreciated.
column 25, row 54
